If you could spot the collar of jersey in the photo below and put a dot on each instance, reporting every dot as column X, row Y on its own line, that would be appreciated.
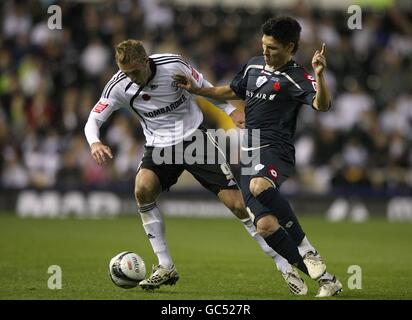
column 286, row 65
column 152, row 69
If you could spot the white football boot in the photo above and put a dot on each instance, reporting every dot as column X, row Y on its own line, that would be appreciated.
column 329, row 288
column 295, row 283
column 160, row 276
column 315, row 265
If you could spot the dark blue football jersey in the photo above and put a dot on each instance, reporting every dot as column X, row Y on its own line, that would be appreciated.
column 273, row 100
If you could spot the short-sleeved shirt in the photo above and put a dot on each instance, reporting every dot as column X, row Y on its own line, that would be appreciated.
column 167, row 113
column 273, row 100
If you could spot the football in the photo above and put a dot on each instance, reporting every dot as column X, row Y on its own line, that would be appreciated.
column 127, row 269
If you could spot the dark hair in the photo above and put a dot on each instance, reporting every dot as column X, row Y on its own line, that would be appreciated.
column 283, row 29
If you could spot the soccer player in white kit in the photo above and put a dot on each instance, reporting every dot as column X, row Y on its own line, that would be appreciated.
column 170, row 119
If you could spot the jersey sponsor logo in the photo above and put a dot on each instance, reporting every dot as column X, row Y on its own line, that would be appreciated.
column 100, row 106
column 195, row 74
column 260, row 81
column 259, row 95
column 169, row 108
column 273, row 172
column 154, row 86
column 146, row 97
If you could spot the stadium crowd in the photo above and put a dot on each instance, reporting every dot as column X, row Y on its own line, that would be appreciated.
column 50, row 80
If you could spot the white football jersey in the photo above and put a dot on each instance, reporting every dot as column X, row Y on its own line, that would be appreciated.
column 167, row 113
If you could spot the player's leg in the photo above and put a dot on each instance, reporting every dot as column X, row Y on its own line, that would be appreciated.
column 264, row 188
column 233, row 200
column 151, row 180
column 147, row 189
column 328, row 284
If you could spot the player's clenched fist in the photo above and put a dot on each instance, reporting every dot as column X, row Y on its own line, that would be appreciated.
column 101, row 153
column 319, row 60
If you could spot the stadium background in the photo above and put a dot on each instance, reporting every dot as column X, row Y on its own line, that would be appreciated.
column 353, row 162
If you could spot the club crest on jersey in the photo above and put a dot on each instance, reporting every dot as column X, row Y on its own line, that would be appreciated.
column 260, row 81
column 174, row 85
column 100, row 106
column 276, row 86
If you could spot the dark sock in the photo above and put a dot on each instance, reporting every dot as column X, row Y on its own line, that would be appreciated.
column 283, row 244
column 272, row 199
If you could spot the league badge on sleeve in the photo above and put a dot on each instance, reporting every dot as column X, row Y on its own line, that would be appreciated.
column 100, row 106
column 195, row 74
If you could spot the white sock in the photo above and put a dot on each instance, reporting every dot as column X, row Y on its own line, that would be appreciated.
column 281, row 263
column 155, row 230
column 305, row 246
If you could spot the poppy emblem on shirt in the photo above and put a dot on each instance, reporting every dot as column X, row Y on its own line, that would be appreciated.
column 146, row 97
column 276, row 86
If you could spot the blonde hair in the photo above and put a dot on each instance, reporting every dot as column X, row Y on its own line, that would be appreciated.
column 129, row 51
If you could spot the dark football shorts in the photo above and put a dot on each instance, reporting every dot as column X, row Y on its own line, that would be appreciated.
column 199, row 156
column 266, row 163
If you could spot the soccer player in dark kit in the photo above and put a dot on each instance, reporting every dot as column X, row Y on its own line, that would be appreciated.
column 274, row 88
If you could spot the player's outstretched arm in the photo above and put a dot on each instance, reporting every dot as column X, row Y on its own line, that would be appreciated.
column 322, row 99
column 100, row 152
column 219, row 93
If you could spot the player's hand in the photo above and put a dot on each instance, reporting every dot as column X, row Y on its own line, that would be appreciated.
column 183, row 82
column 238, row 118
column 101, row 153
column 319, row 60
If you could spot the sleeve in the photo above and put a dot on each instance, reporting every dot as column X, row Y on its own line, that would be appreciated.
column 106, row 105
column 239, row 83
column 92, row 130
column 303, row 87
column 109, row 102
column 224, row 106
column 191, row 73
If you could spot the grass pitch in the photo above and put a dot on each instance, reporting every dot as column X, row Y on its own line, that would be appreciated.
column 216, row 258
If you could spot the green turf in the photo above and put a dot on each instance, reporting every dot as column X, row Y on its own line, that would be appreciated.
column 216, row 258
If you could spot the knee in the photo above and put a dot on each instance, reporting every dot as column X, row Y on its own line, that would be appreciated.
column 267, row 226
column 144, row 193
column 258, row 185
